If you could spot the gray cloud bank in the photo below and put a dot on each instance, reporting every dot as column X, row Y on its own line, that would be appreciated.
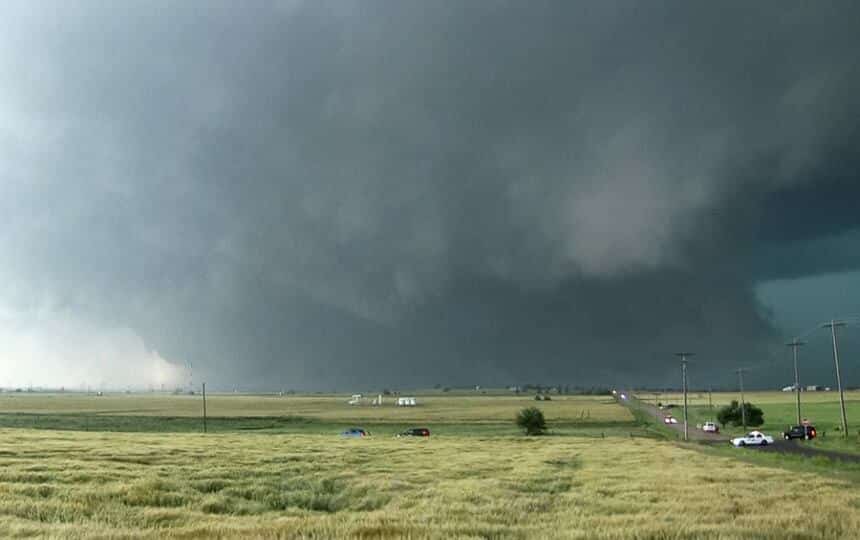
column 319, row 194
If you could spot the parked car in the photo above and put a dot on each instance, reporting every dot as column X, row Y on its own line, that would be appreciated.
column 415, row 432
column 710, row 427
column 355, row 432
column 670, row 420
column 753, row 438
column 800, row 432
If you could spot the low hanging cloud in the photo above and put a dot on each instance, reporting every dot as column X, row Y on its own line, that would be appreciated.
column 54, row 348
column 312, row 194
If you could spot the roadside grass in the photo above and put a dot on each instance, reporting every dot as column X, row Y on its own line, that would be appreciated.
column 795, row 463
column 252, row 485
column 847, row 471
column 821, row 408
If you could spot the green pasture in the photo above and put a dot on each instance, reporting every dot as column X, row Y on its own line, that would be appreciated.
column 820, row 408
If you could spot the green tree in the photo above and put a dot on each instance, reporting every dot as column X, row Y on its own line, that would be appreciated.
column 531, row 420
column 732, row 414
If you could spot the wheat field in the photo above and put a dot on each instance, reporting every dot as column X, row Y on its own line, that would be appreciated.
column 128, row 485
column 431, row 408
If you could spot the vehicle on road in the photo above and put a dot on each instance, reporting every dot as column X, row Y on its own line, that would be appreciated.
column 355, row 433
column 415, row 432
column 670, row 420
column 710, row 427
column 753, row 438
column 799, row 432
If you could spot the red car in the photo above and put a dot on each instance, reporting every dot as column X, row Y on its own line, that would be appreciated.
column 415, row 432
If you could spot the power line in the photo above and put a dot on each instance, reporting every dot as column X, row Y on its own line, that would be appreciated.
column 773, row 360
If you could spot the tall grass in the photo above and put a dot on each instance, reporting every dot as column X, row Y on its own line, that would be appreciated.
column 78, row 485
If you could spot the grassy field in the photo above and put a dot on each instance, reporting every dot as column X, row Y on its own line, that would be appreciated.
column 306, row 414
column 74, row 484
column 276, row 468
column 474, row 408
column 821, row 408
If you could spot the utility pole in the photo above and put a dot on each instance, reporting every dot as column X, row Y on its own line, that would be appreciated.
column 204, row 407
column 833, row 325
column 794, row 346
column 710, row 404
column 684, row 356
column 740, row 372
column 656, row 407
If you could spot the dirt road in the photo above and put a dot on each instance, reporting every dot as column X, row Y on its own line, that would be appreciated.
column 693, row 433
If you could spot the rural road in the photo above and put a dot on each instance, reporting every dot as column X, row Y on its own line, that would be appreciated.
column 693, row 434
column 779, row 445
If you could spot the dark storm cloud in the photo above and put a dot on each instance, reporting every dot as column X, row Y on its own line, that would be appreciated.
column 315, row 193
column 814, row 228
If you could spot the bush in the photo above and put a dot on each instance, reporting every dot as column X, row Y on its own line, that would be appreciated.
column 532, row 421
column 732, row 414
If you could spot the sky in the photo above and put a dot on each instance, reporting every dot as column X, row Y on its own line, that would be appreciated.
column 347, row 195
